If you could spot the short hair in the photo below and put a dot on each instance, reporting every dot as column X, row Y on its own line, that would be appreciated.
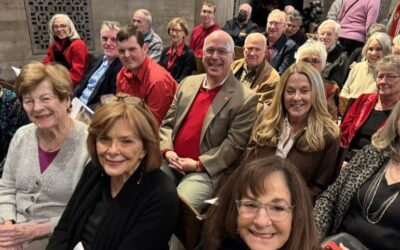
column 330, row 21
column 376, row 27
column 127, row 31
column 247, row 4
column 278, row 12
column 113, row 25
column 182, row 22
column 257, row 35
column 250, row 178
column 312, row 47
column 34, row 73
column 320, row 126
column 387, row 138
column 147, row 15
column 384, row 41
column 73, row 34
column 210, row 4
column 138, row 115
column 295, row 16
column 390, row 62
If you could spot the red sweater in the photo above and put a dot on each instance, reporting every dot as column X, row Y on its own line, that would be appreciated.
column 152, row 83
column 199, row 33
column 77, row 56
column 187, row 139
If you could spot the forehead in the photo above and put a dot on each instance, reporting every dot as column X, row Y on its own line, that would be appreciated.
column 329, row 27
column 130, row 42
column 44, row 87
column 297, row 80
column 310, row 54
column 60, row 20
column 244, row 7
column 275, row 189
column 277, row 17
column 374, row 44
column 139, row 15
column 106, row 31
column 254, row 41
column 217, row 41
column 207, row 8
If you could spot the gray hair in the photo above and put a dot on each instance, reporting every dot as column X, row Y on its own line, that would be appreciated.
column 312, row 47
column 147, row 16
column 295, row 16
column 113, row 25
column 73, row 34
column 389, row 62
column 330, row 21
column 258, row 36
column 282, row 14
column 384, row 41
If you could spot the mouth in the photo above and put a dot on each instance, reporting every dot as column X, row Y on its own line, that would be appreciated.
column 296, row 105
column 41, row 117
column 214, row 65
column 265, row 236
column 114, row 163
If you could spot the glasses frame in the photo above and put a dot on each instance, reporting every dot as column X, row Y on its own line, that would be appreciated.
column 266, row 207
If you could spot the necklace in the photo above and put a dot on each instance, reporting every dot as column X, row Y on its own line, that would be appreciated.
column 375, row 217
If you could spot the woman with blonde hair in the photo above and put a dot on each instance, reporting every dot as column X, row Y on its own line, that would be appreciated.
column 363, row 201
column 67, row 48
column 297, row 126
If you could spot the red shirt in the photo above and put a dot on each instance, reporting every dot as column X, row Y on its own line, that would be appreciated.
column 187, row 139
column 172, row 56
column 152, row 83
column 199, row 33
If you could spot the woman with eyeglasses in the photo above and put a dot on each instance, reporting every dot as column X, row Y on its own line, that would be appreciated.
column 45, row 159
column 364, row 200
column 178, row 59
column 370, row 111
column 123, row 200
column 67, row 48
column 297, row 126
column 361, row 77
column 314, row 53
column 263, row 206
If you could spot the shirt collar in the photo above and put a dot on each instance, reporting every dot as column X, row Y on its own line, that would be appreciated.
column 179, row 51
column 142, row 71
column 219, row 84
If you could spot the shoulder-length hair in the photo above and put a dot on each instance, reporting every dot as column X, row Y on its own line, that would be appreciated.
column 320, row 125
column 73, row 34
column 249, row 179
column 384, row 41
column 387, row 138
column 139, row 117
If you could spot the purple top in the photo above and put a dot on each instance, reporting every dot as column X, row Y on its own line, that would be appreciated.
column 45, row 158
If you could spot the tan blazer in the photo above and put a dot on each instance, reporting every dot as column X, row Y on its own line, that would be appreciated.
column 227, row 125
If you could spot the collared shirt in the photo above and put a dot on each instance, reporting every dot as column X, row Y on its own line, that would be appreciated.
column 199, row 33
column 94, row 80
column 173, row 54
column 246, row 76
column 155, row 44
column 286, row 139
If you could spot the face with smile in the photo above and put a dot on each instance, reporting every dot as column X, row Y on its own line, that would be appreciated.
column 207, row 14
column 140, row 22
column 120, row 150
column 292, row 28
column 177, row 34
column 327, row 35
column 61, row 28
column 297, row 98
column 256, row 228
column 109, row 42
column 388, row 83
column 374, row 52
column 131, row 54
column 44, row 108
column 276, row 25
column 218, row 56
column 254, row 50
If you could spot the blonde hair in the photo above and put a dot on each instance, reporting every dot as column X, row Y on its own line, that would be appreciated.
column 73, row 33
column 312, row 47
column 182, row 23
column 319, row 122
column 384, row 41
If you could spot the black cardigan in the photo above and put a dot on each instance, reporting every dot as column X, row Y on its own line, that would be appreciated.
column 183, row 65
column 141, row 216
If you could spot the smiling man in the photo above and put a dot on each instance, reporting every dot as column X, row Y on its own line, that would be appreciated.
column 280, row 49
column 201, row 31
column 208, row 126
column 254, row 71
column 101, row 75
column 141, row 76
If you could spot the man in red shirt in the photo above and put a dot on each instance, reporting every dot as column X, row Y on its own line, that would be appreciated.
column 141, row 76
column 208, row 125
column 201, row 31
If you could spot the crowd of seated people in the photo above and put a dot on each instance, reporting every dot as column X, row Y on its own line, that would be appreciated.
column 261, row 131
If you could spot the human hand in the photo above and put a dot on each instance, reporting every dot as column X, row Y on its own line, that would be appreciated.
column 343, row 247
column 188, row 164
column 12, row 236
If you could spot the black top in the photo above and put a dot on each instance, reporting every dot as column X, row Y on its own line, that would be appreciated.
column 384, row 235
column 371, row 125
column 232, row 28
column 227, row 244
column 183, row 66
column 299, row 38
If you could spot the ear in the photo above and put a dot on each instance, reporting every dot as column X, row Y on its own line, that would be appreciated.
column 142, row 155
column 145, row 47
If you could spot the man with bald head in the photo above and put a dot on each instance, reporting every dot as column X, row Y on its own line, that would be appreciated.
column 240, row 26
column 254, row 71
column 208, row 125
column 142, row 20
column 280, row 49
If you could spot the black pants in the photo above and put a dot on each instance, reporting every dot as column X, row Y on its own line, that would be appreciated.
column 350, row 44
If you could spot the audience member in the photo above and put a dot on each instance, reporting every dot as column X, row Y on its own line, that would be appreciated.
column 100, row 78
column 288, row 9
column 369, row 111
column 280, row 49
column 354, row 19
column 396, row 45
column 66, row 47
column 254, row 71
column 333, row 11
column 393, row 26
column 297, row 126
column 45, row 159
column 201, row 31
column 337, row 62
column 123, row 199
column 293, row 31
column 142, row 21
column 209, row 123
column 273, row 210
column 141, row 76
column 362, row 201
column 178, row 59
column 361, row 77
column 240, row 26
column 314, row 53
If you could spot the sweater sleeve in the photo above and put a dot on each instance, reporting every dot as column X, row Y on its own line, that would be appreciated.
column 79, row 60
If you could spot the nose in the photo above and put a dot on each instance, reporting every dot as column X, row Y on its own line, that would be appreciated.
column 37, row 106
column 113, row 148
column 297, row 94
column 262, row 218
